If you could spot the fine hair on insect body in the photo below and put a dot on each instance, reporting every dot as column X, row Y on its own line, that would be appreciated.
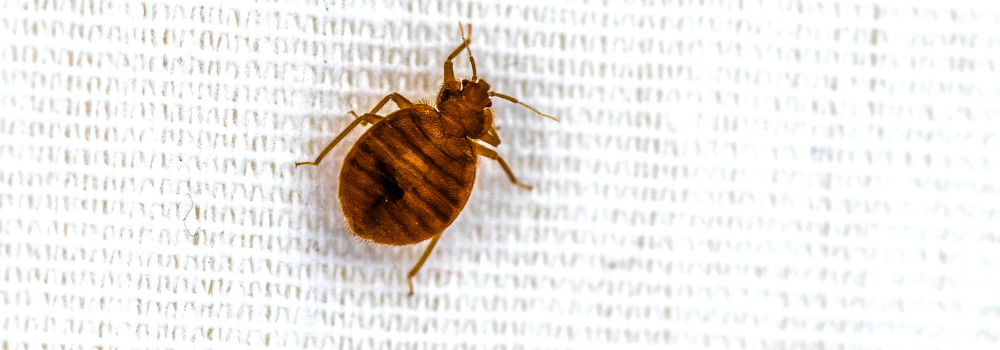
column 411, row 173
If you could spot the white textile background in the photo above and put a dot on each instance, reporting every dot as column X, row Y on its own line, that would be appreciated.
column 726, row 175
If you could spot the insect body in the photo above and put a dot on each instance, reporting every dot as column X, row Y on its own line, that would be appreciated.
column 407, row 178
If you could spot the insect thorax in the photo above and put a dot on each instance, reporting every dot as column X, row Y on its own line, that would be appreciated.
column 463, row 108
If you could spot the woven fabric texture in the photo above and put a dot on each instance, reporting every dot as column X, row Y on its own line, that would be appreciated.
column 726, row 175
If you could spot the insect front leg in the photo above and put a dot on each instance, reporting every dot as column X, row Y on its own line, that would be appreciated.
column 364, row 119
column 491, row 138
column 491, row 154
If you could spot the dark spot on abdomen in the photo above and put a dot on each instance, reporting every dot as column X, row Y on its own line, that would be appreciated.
column 387, row 178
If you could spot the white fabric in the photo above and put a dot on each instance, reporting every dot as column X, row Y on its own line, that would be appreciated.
column 726, row 175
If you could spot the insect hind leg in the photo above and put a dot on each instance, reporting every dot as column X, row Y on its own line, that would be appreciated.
column 423, row 258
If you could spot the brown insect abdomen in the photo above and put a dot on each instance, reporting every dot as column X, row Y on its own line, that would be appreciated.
column 397, row 184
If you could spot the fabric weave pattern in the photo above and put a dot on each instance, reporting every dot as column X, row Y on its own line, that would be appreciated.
column 726, row 175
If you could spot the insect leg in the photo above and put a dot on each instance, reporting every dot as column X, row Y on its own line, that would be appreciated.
column 364, row 119
column 420, row 263
column 367, row 117
column 491, row 154
column 491, row 138
column 400, row 101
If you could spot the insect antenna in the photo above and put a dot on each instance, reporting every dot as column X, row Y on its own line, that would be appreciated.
column 467, row 49
column 512, row 99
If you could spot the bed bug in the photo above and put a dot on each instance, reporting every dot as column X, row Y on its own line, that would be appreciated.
column 410, row 174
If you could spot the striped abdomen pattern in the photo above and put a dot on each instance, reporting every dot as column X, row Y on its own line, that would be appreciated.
column 404, row 181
